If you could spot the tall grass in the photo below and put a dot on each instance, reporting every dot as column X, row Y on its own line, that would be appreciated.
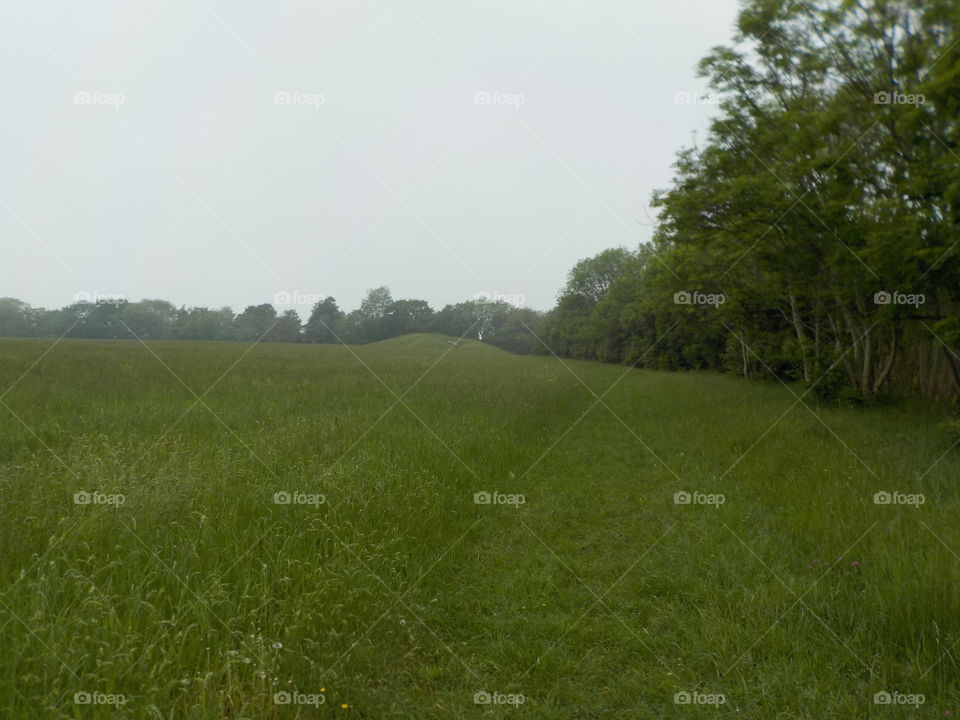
column 399, row 596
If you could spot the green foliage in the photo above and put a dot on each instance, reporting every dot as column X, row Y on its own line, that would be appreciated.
column 325, row 322
column 827, row 186
column 255, row 322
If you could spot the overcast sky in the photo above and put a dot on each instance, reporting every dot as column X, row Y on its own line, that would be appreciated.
column 219, row 152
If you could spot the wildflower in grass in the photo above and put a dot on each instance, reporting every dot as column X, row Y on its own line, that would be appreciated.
column 855, row 563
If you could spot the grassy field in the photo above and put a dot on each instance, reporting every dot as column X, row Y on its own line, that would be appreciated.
column 183, row 582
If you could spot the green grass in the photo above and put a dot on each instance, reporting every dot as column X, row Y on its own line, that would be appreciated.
column 400, row 597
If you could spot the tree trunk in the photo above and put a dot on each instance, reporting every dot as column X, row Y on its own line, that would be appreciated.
column 801, row 336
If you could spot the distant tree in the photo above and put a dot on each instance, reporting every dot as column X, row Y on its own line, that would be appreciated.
column 286, row 329
column 49, row 323
column 518, row 332
column 200, row 323
column 572, row 330
column 376, row 303
column 407, row 316
column 16, row 318
column 255, row 322
column 592, row 277
column 102, row 319
column 474, row 319
column 459, row 320
column 150, row 319
column 324, row 324
column 366, row 324
column 490, row 316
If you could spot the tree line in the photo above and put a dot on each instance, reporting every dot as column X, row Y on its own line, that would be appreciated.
column 379, row 317
column 814, row 235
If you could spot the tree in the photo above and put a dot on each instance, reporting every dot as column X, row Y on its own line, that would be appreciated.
column 518, row 332
column 255, row 322
column 324, row 324
column 366, row 324
column 571, row 330
column 592, row 277
column 407, row 316
column 200, row 323
column 474, row 319
column 16, row 318
column 286, row 329
column 100, row 319
column 459, row 320
column 376, row 303
column 150, row 319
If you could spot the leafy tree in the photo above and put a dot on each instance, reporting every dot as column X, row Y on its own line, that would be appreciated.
column 406, row 316
column 200, row 323
column 324, row 324
column 16, row 318
column 376, row 303
column 255, row 322
column 366, row 324
column 592, row 277
column 459, row 320
column 518, row 332
column 100, row 319
column 150, row 319
column 286, row 329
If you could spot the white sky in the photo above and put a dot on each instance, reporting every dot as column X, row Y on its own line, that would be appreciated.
column 201, row 189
